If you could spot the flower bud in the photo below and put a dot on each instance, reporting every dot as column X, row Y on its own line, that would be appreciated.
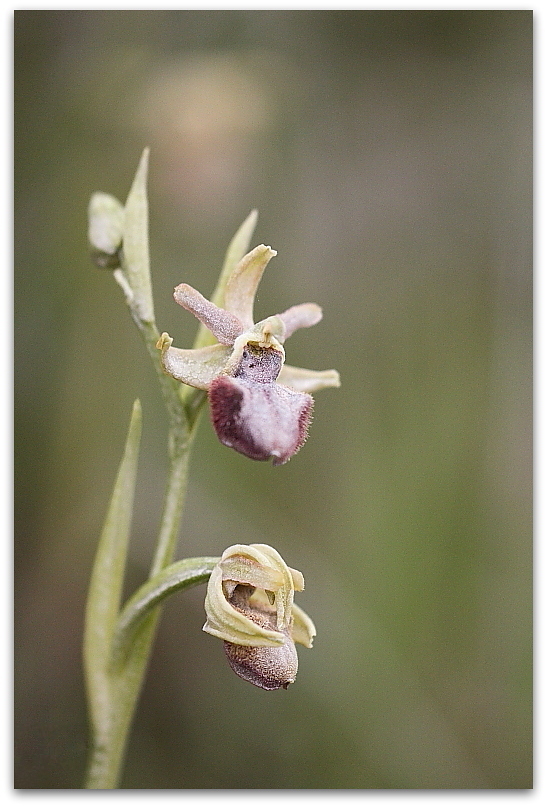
column 105, row 230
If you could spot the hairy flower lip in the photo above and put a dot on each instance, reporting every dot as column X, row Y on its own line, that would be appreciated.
column 242, row 413
column 265, row 667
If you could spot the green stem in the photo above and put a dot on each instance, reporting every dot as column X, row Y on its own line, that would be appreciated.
column 125, row 682
column 176, row 577
column 118, row 645
column 173, row 506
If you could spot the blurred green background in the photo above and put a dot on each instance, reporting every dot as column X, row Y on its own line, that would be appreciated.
column 389, row 155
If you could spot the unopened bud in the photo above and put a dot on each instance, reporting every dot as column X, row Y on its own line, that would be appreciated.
column 105, row 230
column 249, row 605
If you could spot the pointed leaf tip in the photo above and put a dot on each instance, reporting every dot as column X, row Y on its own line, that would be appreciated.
column 135, row 242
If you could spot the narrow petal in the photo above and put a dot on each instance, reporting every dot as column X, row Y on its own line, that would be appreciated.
column 300, row 316
column 303, row 629
column 297, row 579
column 243, row 282
column 194, row 367
column 307, row 380
column 225, row 326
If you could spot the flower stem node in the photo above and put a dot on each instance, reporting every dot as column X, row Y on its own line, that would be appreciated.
column 260, row 406
column 249, row 604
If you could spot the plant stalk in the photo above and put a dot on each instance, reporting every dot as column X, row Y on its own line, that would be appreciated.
column 113, row 688
column 123, row 686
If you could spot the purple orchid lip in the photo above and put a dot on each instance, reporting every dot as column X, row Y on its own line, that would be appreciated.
column 253, row 414
column 260, row 420
column 266, row 667
column 260, row 406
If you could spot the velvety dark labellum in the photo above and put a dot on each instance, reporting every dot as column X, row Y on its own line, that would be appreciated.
column 266, row 667
column 260, row 419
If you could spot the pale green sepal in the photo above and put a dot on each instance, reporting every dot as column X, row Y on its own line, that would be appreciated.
column 303, row 629
column 243, row 282
column 105, row 223
column 175, row 577
column 245, row 570
column 105, row 588
column 136, row 262
column 297, row 579
column 277, row 575
column 285, row 595
column 194, row 367
column 303, row 380
column 225, row 622
column 260, row 566
column 237, row 248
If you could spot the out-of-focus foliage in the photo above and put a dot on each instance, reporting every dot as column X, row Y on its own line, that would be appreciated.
column 389, row 154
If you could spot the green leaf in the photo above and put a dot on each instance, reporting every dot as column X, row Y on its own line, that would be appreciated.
column 136, row 261
column 105, row 588
column 176, row 577
column 238, row 247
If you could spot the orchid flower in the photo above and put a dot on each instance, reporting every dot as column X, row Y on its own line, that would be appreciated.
column 260, row 406
column 249, row 604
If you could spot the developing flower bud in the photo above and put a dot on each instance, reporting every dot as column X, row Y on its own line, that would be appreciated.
column 105, row 230
column 249, row 604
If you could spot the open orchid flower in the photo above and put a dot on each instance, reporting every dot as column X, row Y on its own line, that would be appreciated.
column 260, row 406
column 249, row 604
